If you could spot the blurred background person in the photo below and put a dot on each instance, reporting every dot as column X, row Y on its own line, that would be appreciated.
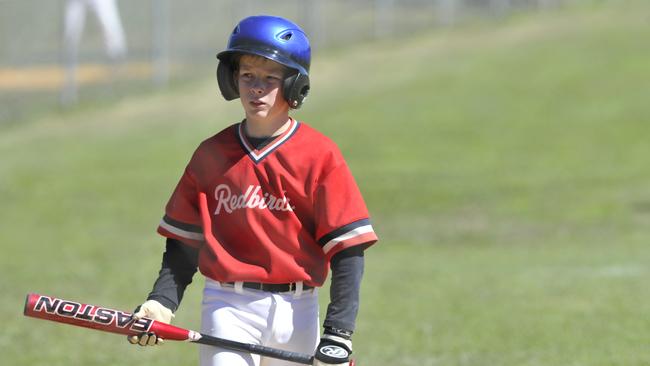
column 108, row 16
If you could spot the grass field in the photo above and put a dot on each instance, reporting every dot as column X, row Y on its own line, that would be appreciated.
column 505, row 167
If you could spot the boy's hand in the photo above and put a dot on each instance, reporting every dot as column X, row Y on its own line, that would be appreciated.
column 151, row 309
column 333, row 351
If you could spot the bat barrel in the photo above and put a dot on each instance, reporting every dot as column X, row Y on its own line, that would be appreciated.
column 97, row 317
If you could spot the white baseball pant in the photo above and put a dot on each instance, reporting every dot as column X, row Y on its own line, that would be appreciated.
column 288, row 321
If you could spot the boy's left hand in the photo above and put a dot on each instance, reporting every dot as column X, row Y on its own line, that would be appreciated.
column 333, row 351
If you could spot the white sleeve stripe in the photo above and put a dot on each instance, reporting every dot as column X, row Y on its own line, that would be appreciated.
column 182, row 233
column 347, row 236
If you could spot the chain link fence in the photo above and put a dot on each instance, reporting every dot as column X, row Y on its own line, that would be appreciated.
column 172, row 39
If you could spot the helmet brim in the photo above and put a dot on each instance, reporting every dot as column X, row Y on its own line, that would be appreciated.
column 267, row 53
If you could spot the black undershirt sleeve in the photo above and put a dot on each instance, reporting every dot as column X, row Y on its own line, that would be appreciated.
column 347, row 271
column 179, row 263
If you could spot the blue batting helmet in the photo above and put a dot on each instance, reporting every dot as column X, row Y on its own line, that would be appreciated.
column 273, row 38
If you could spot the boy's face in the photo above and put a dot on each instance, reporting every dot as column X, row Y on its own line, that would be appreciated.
column 260, row 87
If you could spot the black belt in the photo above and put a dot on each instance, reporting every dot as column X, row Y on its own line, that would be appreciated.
column 270, row 287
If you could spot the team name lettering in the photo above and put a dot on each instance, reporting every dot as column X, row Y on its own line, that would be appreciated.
column 91, row 313
column 252, row 198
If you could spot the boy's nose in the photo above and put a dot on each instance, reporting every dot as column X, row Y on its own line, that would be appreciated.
column 257, row 86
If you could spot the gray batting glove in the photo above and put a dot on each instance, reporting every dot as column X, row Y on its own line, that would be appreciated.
column 151, row 309
column 333, row 351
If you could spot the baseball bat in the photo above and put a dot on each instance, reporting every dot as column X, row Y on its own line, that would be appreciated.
column 116, row 321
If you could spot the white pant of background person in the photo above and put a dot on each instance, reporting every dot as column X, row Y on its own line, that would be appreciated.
column 75, row 20
column 288, row 321
column 109, row 20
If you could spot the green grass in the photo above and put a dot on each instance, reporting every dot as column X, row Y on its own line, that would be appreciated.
column 505, row 168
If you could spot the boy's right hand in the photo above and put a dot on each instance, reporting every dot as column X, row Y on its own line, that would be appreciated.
column 151, row 309
column 333, row 350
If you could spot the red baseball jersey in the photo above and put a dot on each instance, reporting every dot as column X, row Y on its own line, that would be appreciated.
column 274, row 215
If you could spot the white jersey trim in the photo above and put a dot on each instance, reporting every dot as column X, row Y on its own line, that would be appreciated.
column 180, row 232
column 347, row 236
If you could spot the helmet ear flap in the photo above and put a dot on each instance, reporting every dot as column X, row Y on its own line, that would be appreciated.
column 225, row 78
column 296, row 88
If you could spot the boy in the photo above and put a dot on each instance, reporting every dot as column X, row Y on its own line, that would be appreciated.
column 263, row 208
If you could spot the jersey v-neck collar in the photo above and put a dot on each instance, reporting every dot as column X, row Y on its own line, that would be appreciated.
column 259, row 155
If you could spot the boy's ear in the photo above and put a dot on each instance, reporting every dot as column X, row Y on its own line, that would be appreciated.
column 227, row 81
column 296, row 89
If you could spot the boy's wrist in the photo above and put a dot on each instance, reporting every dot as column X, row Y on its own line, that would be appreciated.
column 339, row 332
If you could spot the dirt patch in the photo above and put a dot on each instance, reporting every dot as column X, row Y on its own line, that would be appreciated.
column 51, row 77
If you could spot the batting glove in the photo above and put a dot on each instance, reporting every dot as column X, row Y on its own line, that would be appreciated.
column 333, row 350
column 151, row 309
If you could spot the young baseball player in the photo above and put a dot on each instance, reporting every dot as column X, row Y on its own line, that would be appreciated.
column 264, row 209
